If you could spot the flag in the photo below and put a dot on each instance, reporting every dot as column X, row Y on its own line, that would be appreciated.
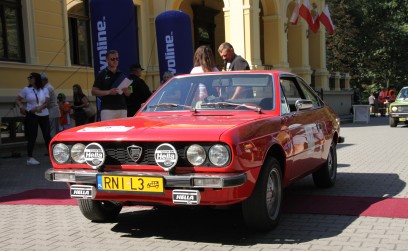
column 325, row 19
column 305, row 12
column 316, row 18
column 295, row 14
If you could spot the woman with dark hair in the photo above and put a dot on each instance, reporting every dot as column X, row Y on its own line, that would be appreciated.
column 36, row 113
column 80, row 101
column 204, row 60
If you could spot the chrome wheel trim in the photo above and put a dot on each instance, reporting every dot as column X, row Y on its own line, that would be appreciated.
column 273, row 194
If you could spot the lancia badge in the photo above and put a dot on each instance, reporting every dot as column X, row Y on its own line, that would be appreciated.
column 134, row 152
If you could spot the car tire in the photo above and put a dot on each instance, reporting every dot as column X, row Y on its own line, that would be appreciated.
column 326, row 175
column 100, row 211
column 393, row 122
column 261, row 211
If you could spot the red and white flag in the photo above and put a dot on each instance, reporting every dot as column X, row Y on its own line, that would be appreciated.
column 325, row 18
column 295, row 14
column 316, row 20
column 305, row 12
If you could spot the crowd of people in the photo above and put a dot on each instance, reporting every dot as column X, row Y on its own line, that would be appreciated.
column 51, row 112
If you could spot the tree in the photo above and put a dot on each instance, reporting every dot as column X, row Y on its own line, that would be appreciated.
column 370, row 41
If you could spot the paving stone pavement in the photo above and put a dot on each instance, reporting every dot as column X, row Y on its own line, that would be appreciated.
column 372, row 163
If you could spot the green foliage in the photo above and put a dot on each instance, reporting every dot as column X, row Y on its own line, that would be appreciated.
column 370, row 42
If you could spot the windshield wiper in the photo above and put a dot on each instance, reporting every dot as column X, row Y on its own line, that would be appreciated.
column 172, row 106
column 228, row 104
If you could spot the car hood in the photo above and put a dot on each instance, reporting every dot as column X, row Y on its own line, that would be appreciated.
column 156, row 128
column 401, row 102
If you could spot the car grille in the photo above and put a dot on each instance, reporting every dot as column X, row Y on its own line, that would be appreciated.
column 116, row 153
column 402, row 109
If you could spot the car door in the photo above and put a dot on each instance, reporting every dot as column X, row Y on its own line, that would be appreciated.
column 303, row 127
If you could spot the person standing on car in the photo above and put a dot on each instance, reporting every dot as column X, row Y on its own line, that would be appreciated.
column 139, row 91
column 36, row 113
column 113, row 102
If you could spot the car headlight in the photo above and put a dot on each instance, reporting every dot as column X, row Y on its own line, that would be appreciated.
column 60, row 152
column 77, row 153
column 196, row 155
column 394, row 108
column 219, row 155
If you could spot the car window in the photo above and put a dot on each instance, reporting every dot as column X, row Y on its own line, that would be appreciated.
column 214, row 92
column 403, row 94
column 291, row 91
column 284, row 104
column 309, row 94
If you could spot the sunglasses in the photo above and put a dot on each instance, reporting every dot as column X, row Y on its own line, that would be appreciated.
column 114, row 59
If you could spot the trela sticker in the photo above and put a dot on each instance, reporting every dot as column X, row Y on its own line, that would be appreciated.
column 166, row 156
column 94, row 155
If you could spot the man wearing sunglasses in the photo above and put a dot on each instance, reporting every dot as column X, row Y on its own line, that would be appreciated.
column 113, row 102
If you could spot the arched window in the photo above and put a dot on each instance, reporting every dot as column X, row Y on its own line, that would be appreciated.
column 11, row 31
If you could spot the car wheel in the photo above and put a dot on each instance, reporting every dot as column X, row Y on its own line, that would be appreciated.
column 261, row 211
column 326, row 175
column 96, row 210
column 393, row 122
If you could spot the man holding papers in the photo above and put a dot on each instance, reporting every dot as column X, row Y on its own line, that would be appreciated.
column 111, row 86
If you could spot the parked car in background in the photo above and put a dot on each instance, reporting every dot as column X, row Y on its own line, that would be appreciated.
column 210, row 139
column 398, row 111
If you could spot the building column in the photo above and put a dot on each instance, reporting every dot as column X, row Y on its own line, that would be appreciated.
column 242, row 29
column 347, row 81
column 298, row 50
column 317, row 54
column 336, row 76
column 275, row 39
column 252, row 34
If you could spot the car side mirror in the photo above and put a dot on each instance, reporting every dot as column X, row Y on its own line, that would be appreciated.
column 303, row 104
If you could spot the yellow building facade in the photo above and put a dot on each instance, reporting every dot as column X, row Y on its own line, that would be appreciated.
column 259, row 30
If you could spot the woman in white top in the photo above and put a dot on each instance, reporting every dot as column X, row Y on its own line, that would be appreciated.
column 204, row 60
column 36, row 113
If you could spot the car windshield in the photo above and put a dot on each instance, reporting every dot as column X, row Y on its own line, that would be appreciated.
column 224, row 91
column 403, row 94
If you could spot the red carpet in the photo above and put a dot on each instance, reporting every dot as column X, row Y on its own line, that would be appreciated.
column 300, row 204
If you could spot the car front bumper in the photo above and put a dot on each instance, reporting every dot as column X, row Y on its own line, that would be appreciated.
column 171, row 181
column 224, row 188
column 399, row 115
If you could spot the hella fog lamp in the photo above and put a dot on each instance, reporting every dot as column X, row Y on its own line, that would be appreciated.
column 60, row 152
column 77, row 153
column 219, row 155
column 196, row 154
column 207, row 182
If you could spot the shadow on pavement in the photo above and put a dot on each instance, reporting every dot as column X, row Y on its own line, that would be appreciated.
column 303, row 211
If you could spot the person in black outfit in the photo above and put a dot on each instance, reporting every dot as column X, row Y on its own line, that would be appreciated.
column 80, row 101
column 236, row 63
column 113, row 101
column 139, row 91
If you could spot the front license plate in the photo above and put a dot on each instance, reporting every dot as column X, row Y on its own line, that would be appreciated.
column 130, row 183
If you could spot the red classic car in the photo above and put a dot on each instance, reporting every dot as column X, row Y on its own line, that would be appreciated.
column 210, row 139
